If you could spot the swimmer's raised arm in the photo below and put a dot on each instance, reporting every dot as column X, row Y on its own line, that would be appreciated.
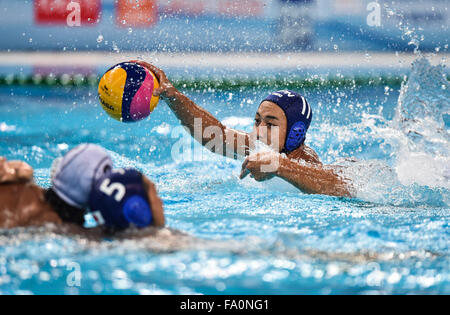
column 281, row 122
column 214, row 135
column 14, row 171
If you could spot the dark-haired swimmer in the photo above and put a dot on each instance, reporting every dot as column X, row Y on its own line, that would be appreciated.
column 281, row 122
column 83, row 179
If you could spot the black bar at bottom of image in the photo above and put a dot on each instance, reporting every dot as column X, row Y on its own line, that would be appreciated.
column 234, row 303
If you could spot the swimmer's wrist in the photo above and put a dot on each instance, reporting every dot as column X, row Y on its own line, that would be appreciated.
column 283, row 166
column 170, row 93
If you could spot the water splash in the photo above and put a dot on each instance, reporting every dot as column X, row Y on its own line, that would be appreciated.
column 423, row 101
column 419, row 143
column 409, row 32
column 425, row 145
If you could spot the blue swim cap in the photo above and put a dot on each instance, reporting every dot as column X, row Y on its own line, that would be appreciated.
column 120, row 199
column 298, row 114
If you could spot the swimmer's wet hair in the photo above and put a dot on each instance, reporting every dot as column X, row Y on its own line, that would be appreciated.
column 67, row 213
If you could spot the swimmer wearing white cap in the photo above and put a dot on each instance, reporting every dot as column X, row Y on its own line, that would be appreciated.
column 281, row 122
column 73, row 177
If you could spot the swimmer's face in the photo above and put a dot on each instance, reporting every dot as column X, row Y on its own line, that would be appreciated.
column 156, row 203
column 270, row 125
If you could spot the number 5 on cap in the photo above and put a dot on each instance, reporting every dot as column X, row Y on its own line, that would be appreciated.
column 109, row 188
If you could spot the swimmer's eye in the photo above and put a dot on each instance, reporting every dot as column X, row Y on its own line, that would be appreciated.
column 270, row 125
column 257, row 121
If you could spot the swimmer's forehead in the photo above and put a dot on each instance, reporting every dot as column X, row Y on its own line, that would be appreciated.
column 270, row 111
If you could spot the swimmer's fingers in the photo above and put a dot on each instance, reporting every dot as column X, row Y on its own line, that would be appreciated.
column 22, row 170
column 249, row 165
column 15, row 171
column 244, row 171
column 158, row 92
column 160, row 75
column 164, row 84
column 260, row 166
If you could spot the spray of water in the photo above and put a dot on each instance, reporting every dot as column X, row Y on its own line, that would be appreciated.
column 409, row 32
column 425, row 147
column 418, row 142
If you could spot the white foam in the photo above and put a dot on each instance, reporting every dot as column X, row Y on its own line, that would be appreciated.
column 423, row 169
column 416, row 138
column 163, row 129
column 423, row 151
column 234, row 121
column 6, row 128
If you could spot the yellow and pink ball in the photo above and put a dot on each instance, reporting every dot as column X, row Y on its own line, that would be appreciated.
column 126, row 92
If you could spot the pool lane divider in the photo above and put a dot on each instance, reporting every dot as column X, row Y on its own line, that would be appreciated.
column 91, row 80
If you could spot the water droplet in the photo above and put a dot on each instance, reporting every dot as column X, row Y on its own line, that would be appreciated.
column 100, row 39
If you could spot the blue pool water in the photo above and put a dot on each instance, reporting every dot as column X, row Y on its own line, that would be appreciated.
column 246, row 237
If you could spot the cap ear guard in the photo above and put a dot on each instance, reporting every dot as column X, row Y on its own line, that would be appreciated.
column 296, row 136
column 137, row 211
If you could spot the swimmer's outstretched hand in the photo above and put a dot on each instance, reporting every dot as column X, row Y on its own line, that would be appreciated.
column 261, row 166
column 166, row 89
column 14, row 171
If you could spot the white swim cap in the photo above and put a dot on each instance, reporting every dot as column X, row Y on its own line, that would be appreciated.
column 73, row 176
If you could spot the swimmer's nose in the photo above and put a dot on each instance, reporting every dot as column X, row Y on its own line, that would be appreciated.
column 261, row 133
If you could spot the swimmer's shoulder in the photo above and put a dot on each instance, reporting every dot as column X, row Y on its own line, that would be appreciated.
column 24, row 204
column 306, row 154
column 20, row 194
column 314, row 157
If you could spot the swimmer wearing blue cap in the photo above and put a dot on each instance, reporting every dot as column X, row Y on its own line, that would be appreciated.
column 281, row 122
column 125, row 197
column 83, row 180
